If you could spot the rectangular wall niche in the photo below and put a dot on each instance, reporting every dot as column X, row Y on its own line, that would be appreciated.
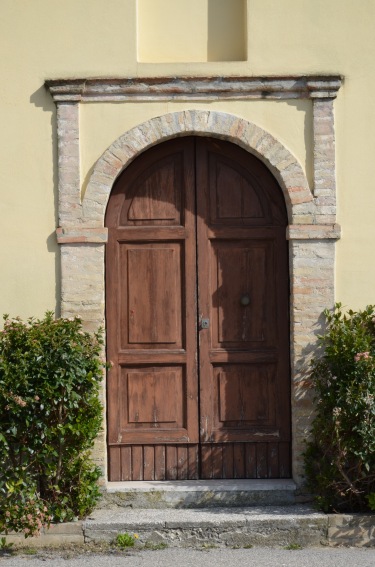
column 175, row 31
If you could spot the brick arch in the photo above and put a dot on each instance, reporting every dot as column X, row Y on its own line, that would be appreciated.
column 279, row 160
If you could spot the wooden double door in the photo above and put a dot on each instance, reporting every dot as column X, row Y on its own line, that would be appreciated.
column 197, row 316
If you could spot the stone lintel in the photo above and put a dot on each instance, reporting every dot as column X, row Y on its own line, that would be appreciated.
column 66, row 90
column 324, row 87
column 313, row 232
column 193, row 88
column 81, row 235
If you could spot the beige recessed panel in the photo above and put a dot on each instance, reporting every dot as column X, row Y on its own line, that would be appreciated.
column 171, row 31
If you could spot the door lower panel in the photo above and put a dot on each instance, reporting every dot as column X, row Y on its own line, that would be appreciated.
column 218, row 461
column 153, row 462
column 245, row 460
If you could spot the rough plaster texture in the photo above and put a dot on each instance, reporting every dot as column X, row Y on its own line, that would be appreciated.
column 312, row 230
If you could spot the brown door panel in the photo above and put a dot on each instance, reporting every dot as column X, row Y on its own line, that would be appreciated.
column 243, row 292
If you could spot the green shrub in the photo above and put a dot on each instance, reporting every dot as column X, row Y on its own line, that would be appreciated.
column 50, row 414
column 371, row 501
column 340, row 458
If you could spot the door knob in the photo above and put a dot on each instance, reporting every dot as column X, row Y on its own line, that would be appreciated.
column 245, row 300
column 204, row 323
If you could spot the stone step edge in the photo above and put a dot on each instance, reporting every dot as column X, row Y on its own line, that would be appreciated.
column 175, row 486
column 357, row 530
column 199, row 494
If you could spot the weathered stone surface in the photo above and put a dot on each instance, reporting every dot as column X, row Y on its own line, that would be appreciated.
column 309, row 232
column 81, row 234
column 68, row 159
column 265, row 527
column 192, row 88
column 202, row 494
column 258, row 526
column 324, row 154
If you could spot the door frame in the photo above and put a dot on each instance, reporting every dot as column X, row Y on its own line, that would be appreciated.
column 312, row 231
column 206, row 235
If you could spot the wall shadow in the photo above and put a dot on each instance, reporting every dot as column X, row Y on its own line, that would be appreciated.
column 43, row 100
column 226, row 33
column 305, row 106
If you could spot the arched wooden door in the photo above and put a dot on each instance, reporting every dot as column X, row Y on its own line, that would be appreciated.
column 197, row 316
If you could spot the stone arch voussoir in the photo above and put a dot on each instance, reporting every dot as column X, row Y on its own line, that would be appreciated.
column 255, row 140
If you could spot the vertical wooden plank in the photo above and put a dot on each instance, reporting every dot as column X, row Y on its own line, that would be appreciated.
column 126, row 462
column 250, row 461
column 261, row 460
column 217, row 460
column 182, row 462
column 228, row 460
column 189, row 279
column 273, row 460
column 160, row 462
column 148, row 462
column 239, row 460
column 193, row 462
column 171, row 466
column 114, row 464
column 137, row 462
column 205, row 291
column 284, row 460
column 206, row 461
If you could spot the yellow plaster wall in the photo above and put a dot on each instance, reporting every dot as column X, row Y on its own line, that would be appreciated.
column 172, row 30
column 77, row 38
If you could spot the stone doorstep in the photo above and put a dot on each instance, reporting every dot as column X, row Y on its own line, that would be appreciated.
column 199, row 493
column 261, row 526
column 258, row 526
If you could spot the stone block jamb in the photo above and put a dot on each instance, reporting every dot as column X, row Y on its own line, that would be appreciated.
column 312, row 231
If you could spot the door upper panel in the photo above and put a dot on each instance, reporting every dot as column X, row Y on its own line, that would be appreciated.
column 151, row 306
column 154, row 198
column 241, row 190
column 243, row 294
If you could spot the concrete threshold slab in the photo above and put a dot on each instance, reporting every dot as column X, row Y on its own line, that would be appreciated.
column 199, row 493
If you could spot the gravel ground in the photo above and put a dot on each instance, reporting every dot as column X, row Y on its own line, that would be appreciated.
column 223, row 557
